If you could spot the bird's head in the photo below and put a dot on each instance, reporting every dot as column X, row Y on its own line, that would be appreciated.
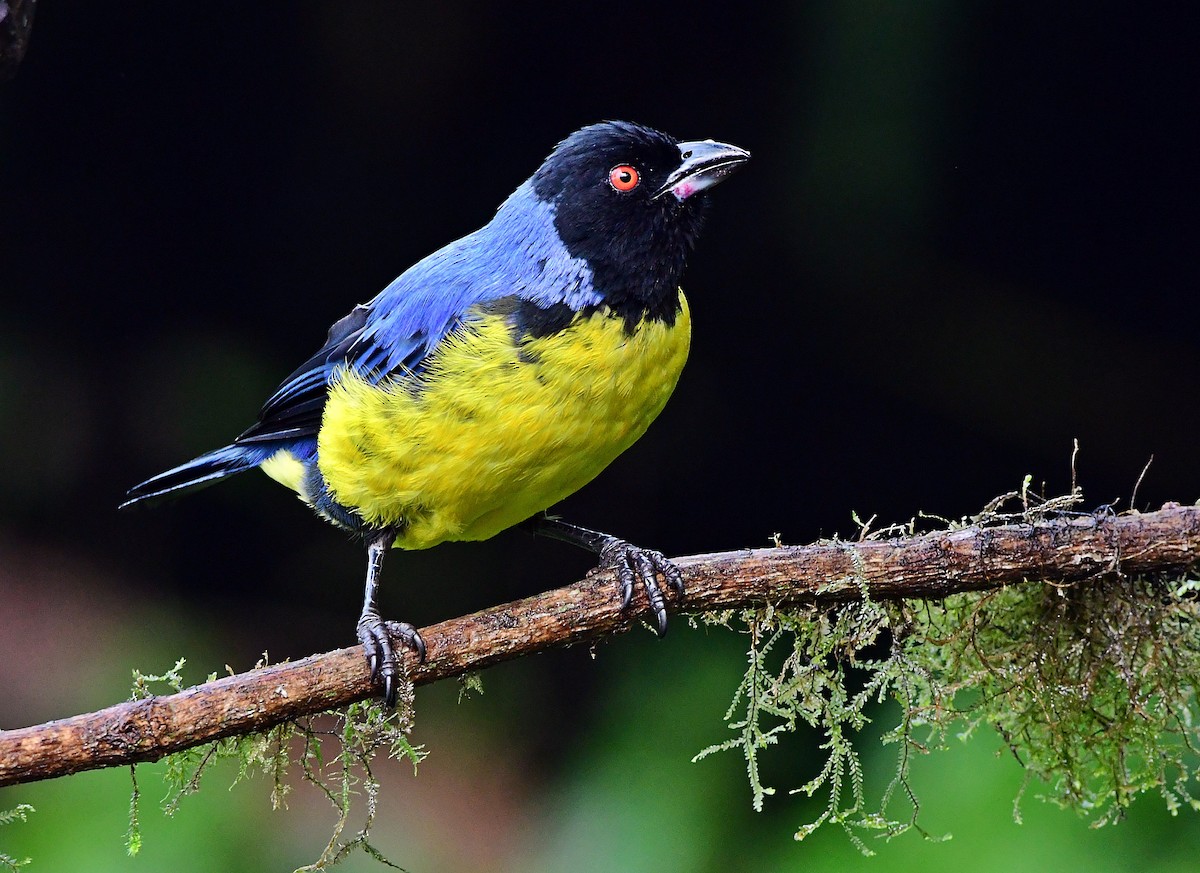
column 630, row 201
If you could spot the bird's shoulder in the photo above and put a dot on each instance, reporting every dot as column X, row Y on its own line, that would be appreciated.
column 515, row 266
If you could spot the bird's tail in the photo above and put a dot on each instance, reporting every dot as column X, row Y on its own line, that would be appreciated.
column 198, row 472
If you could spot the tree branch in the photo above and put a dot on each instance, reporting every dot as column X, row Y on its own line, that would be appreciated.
column 930, row 566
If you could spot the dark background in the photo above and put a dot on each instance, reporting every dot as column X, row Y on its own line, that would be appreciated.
column 967, row 237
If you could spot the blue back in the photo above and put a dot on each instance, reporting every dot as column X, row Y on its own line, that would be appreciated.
column 517, row 254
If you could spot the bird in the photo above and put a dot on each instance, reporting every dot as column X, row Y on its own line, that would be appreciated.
column 497, row 375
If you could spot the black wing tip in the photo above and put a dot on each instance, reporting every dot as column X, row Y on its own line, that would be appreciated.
column 263, row 439
column 143, row 496
column 197, row 473
column 143, row 492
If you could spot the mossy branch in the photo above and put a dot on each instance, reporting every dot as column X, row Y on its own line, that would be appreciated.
column 1071, row 548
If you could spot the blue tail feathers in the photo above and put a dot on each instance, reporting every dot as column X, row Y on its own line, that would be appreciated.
column 199, row 472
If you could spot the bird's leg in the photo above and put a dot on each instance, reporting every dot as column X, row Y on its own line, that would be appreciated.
column 628, row 561
column 373, row 632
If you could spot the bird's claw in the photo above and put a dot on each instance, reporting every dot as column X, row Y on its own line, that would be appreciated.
column 376, row 637
column 631, row 564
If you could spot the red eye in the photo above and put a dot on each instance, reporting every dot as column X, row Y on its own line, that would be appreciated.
column 623, row 178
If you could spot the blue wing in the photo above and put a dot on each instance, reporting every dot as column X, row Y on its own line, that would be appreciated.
column 517, row 255
column 295, row 409
column 391, row 335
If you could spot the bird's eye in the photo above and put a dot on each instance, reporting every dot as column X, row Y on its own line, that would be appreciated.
column 623, row 178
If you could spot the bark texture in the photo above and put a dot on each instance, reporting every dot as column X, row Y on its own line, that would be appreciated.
column 930, row 566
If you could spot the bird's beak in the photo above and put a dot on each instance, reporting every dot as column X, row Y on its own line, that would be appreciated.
column 704, row 164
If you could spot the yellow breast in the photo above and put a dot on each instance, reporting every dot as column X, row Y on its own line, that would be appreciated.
column 500, row 428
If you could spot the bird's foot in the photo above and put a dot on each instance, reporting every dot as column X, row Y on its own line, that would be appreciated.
column 376, row 636
column 631, row 564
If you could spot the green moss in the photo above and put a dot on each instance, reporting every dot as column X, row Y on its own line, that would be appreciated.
column 7, row 817
column 360, row 731
column 1091, row 685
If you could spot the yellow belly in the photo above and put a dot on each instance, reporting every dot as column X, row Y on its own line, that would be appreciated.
column 499, row 430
